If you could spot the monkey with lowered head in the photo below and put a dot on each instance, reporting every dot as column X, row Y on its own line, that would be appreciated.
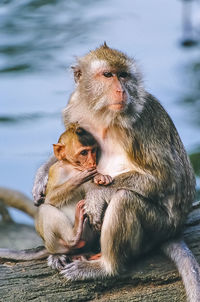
column 141, row 148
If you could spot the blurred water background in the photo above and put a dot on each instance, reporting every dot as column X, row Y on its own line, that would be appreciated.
column 39, row 40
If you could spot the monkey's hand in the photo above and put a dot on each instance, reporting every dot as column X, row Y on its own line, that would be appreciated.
column 95, row 212
column 101, row 179
column 83, row 176
column 40, row 182
column 39, row 189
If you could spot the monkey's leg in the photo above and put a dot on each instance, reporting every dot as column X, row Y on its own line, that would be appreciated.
column 75, row 242
column 52, row 225
column 78, row 225
column 90, row 238
column 121, row 238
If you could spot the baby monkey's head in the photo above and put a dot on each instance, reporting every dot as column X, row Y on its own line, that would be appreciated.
column 77, row 146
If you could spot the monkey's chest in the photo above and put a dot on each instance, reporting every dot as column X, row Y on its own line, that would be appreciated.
column 113, row 164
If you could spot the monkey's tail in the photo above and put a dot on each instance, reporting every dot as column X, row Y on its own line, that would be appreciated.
column 39, row 252
column 18, row 200
column 187, row 265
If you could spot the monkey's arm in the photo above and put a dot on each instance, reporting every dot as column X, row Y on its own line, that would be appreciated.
column 97, row 199
column 40, row 181
column 62, row 194
column 145, row 184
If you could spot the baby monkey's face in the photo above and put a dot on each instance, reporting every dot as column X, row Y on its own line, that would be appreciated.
column 85, row 157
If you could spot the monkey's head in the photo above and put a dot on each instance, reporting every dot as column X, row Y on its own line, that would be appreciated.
column 77, row 146
column 108, row 82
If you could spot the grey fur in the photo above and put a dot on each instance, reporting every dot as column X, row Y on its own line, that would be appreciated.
column 24, row 255
column 187, row 265
column 153, row 200
column 41, row 179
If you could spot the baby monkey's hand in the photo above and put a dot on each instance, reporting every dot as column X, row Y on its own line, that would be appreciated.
column 101, row 179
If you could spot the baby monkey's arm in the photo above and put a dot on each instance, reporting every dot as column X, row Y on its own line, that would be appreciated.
column 61, row 194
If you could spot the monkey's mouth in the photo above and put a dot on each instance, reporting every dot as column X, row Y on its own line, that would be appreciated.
column 117, row 106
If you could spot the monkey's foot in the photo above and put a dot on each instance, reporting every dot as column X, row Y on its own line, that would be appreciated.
column 79, row 213
column 82, row 270
column 75, row 270
column 58, row 262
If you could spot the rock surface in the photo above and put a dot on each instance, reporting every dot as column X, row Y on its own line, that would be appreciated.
column 154, row 277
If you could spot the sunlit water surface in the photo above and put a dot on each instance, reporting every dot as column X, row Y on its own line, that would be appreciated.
column 39, row 41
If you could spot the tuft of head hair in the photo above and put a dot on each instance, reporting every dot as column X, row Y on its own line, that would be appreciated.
column 115, row 58
column 74, row 131
column 85, row 137
column 111, row 57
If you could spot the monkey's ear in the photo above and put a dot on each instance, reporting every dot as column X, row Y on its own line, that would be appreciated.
column 59, row 151
column 77, row 73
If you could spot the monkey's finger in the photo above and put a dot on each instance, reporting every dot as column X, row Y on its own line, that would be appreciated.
column 96, row 180
column 92, row 169
column 89, row 173
column 92, row 172
column 81, row 203
column 81, row 216
column 101, row 179
column 108, row 180
column 89, row 176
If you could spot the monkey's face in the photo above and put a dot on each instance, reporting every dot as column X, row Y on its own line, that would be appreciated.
column 107, row 88
column 84, row 157
column 109, row 84
column 115, row 96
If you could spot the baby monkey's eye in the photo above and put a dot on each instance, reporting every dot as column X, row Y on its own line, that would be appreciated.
column 84, row 152
column 123, row 74
column 108, row 74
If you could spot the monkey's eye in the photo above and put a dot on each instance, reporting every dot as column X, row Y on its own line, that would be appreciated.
column 84, row 152
column 123, row 74
column 108, row 74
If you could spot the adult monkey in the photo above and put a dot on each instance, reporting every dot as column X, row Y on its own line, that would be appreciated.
column 138, row 141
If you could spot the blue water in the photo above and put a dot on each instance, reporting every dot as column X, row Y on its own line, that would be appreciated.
column 39, row 41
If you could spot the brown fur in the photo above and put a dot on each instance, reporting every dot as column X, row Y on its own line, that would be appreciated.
column 142, row 151
column 65, row 189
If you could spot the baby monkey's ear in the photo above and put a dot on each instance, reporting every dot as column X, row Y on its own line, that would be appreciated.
column 77, row 73
column 59, row 151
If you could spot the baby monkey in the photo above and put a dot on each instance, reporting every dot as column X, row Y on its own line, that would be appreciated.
column 62, row 214
column 77, row 154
